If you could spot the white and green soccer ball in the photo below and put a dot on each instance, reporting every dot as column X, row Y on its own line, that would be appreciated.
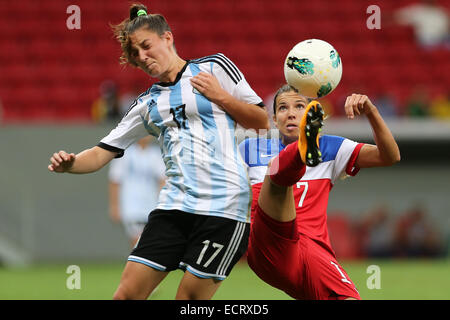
column 313, row 67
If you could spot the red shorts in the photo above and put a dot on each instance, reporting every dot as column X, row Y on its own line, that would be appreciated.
column 296, row 264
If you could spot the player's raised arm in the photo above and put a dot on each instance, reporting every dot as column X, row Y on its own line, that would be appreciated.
column 386, row 151
column 247, row 115
column 87, row 161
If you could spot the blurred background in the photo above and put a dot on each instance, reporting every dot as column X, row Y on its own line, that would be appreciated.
column 63, row 88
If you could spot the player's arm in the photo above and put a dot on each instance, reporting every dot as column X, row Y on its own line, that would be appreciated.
column 87, row 161
column 115, row 177
column 162, row 183
column 114, row 207
column 249, row 116
column 386, row 151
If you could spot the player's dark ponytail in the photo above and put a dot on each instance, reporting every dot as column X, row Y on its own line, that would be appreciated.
column 139, row 18
column 135, row 8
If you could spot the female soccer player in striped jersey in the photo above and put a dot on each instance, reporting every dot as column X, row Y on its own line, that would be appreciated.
column 201, row 222
column 289, row 247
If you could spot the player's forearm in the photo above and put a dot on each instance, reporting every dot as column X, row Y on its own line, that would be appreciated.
column 91, row 160
column 114, row 200
column 249, row 116
column 385, row 141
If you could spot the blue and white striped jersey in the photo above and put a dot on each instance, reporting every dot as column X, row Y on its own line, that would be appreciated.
column 204, row 169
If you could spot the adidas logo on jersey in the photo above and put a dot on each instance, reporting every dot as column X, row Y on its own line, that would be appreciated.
column 152, row 103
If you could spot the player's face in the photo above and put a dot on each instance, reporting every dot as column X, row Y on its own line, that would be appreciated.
column 290, row 107
column 152, row 53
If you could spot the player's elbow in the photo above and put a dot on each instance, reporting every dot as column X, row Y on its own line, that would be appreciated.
column 397, row 159
column 260, row 119
column 261, row 127
column 259, row 122
column 392, row 159
column 264, row 124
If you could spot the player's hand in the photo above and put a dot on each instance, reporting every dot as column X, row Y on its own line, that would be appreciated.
column 358, row 104
column 61, row 161
column 208, row 85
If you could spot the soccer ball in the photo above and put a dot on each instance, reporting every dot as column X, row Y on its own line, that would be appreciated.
column 313, row 67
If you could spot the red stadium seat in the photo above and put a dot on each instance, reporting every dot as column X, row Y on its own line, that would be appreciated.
column 41, row 52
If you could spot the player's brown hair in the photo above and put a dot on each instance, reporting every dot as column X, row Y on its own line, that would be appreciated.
column 285, row 88
column 153, row 22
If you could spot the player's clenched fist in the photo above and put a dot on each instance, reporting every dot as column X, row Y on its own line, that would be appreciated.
column 61, row 161
column 358, row 104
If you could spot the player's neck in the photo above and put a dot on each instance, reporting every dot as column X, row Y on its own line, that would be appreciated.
column 173, row 70
column 287, row 140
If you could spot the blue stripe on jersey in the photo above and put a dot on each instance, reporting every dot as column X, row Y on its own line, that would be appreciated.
column 205, row 112
column 329, row 146
column 186, row 164
column 170, row 160
column 153, row 111
column 258, row 151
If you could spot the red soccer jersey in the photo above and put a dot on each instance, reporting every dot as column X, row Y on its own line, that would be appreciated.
column 311, row 192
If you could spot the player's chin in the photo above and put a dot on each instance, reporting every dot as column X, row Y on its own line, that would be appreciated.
column 291, row 131
column 291, row 135
column 151, row 72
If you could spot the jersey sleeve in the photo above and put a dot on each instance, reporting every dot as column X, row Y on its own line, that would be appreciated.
column 233, row 80
column 129, row 130
column 346, row 157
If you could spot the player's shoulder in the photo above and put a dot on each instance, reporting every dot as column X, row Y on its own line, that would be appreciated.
column 221, row 61
column 329, row 146
column 259, row 151
column 142, row 100
column 215, row 58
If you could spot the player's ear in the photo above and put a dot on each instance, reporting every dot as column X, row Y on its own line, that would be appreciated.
column 167, row 35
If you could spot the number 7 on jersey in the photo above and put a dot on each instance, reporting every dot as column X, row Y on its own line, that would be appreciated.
column 305, row 190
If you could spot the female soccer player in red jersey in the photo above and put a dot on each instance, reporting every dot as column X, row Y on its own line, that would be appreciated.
column 289, row 247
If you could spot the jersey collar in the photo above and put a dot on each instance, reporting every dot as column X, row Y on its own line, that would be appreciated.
column 179, row 74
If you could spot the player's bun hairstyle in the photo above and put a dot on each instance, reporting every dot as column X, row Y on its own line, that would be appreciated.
column 139, row 18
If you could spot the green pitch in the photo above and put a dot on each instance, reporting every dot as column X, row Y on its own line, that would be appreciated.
column 398, row 279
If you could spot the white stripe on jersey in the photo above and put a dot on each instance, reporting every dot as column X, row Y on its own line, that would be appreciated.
column 324, row 170
column 342, row 158
column 257, row 174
